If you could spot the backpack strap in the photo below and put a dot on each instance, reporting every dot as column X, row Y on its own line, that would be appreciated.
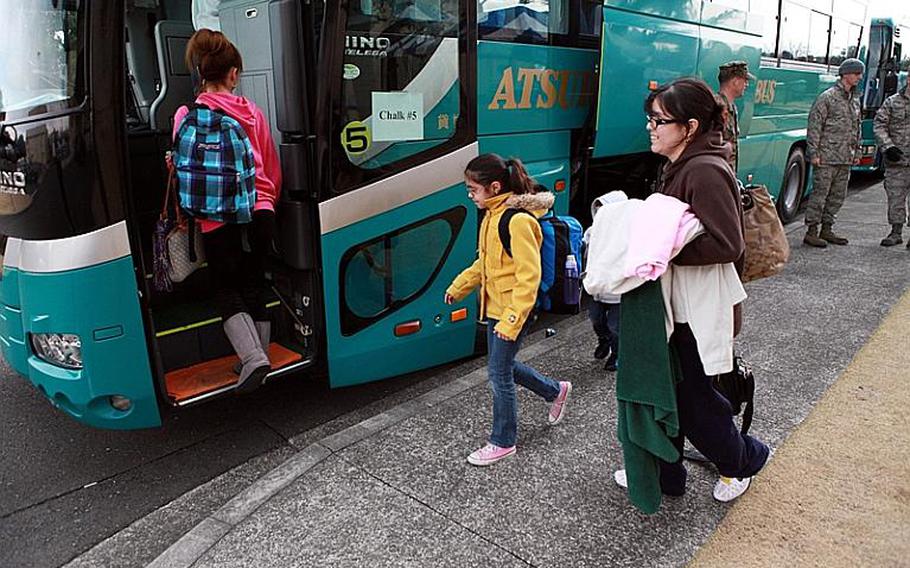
column 505, row 237
column 191, row 237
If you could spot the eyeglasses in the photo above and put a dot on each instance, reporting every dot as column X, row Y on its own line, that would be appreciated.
column 656, row 121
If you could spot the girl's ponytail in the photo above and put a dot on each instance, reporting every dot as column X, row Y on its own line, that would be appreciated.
column 211, row 55
column 519, row 180
column 511, row 174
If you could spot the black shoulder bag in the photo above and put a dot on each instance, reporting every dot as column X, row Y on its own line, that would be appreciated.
column 738, row 387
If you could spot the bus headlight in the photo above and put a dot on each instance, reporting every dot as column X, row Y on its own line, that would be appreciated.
column 61, row 349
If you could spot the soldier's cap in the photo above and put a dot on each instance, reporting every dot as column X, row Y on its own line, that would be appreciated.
column 735, row 69
column 851, row 65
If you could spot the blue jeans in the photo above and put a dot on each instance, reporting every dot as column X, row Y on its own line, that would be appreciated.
column 504, row 371
column 605, row 319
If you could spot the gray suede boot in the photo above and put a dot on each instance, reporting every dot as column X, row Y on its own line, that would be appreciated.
column 244, row 338
column 264, row 330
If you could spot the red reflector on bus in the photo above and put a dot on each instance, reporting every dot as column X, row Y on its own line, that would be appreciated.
column 560, row 185
column 459, row 315
column 407, row 328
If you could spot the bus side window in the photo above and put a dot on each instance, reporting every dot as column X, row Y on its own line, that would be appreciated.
column 590, row 17
column 794, row 32
column 531, row 22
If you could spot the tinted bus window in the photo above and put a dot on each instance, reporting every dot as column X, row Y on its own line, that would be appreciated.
column 823, row 6
column 590, row 17
column 768, row 9
column 385, row 273
column 794, row 32
column 850, row 10
column 42, row 48
column 844, row 41
column 403, row 16
column 819, row 25
column 401, row 94
column 526, row 21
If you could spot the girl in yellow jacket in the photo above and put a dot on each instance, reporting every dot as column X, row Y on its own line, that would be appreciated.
column 508, row 292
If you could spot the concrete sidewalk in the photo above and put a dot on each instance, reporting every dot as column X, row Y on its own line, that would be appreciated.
column 395, row 490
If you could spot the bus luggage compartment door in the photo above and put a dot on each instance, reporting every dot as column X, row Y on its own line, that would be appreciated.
column 390, row 250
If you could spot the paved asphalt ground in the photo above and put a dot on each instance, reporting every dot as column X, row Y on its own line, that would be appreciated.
column 65, row 487
column 395, row 490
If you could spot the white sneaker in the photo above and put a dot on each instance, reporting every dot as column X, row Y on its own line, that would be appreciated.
column 729, row 488
column 619, row 476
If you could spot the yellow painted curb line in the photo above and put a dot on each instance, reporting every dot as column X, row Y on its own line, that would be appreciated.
column 837, row 492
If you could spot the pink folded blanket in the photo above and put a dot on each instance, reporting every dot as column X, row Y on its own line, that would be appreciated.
column 658, row 230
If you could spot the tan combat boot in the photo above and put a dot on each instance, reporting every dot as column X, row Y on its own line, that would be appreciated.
column 895, row 237
column 812, row 239
column 829, row 236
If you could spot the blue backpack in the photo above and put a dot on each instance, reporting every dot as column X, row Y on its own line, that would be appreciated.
column 216, row 169
column 560, row 288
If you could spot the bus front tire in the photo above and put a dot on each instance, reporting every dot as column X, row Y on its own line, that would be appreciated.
column 793, row 186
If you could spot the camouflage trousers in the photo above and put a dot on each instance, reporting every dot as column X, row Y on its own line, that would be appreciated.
column 828, row 193
column 897, row 188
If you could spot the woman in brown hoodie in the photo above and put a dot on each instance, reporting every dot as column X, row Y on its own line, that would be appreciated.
column 685, row 122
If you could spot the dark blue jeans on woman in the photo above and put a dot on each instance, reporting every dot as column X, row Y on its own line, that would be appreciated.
column 504, row 371
column 706, row 419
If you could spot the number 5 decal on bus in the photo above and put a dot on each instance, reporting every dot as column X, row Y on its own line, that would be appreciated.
column 355, row 137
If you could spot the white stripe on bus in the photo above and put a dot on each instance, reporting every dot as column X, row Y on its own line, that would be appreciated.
column 395, row 191
column 72, row 253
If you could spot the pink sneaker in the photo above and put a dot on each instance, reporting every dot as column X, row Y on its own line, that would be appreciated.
column 490, row 454
column 558, row 408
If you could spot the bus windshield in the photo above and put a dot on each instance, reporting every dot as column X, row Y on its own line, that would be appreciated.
column 40, row 55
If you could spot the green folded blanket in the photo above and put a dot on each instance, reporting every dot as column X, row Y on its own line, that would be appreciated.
column 646, row 394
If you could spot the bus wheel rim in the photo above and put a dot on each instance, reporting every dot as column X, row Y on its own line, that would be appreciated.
column 792, row 188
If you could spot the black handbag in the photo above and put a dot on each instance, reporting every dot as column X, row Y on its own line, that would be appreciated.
column 738, row 387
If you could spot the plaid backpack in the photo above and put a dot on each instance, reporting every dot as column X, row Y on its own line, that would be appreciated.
column 216, row 170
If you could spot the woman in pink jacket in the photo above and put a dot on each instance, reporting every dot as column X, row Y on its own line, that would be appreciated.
column 238, row 275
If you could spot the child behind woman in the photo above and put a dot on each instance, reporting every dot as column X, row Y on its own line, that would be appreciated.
column 508, row 293
column 603, row 311
column 238, row 275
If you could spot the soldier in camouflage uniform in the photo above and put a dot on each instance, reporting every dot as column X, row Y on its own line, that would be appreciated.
column 892, row 134
column 734, row 78
column 833, row 141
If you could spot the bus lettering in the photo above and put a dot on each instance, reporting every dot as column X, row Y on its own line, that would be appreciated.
column 549, row 89
column 527, row 77
column 366, row 46
column 554, row 86
column 764, row 91
column 505, row 92
column 12, row 183
column 564, row 77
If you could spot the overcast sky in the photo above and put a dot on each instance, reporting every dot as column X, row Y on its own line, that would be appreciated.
column 897, row 9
